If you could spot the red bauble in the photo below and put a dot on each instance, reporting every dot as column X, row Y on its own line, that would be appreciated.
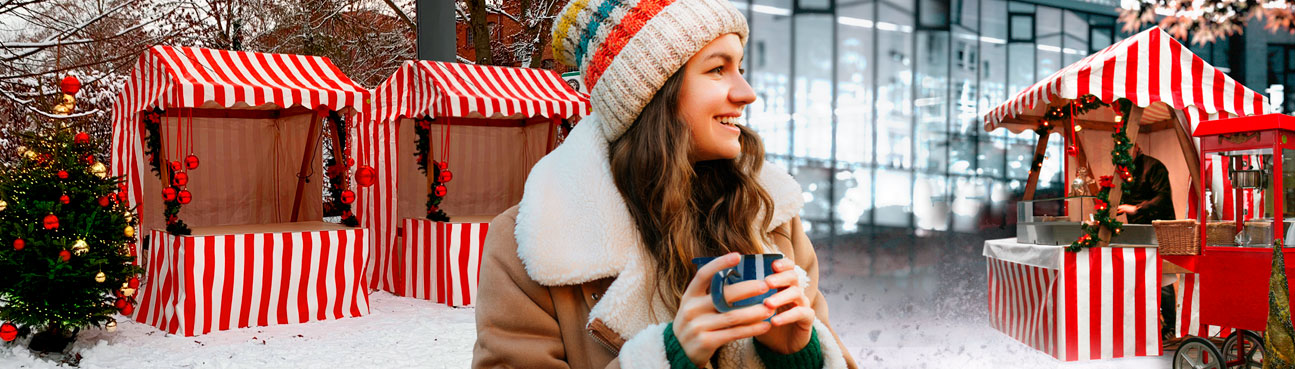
column 1071, row 150
column 64, row 255
column 184, row 196
column 440, row 191
column 64, row 199
column 175, row 166
column 8, row 332
column 181, row 179
column 348, row 196
column 89, row 159
column 133, row 282
column 365, row 176
column 442, row 165
column 50, row 221
column 121, row 196
column 350, row 162
column 128, row 309
column 168, row 194
column 121, row 302
column 105, row 201
column 70, row 85
column 19, row 244
column 82, row 138
column 62, row 174
column 191, row 161
column 446, row 176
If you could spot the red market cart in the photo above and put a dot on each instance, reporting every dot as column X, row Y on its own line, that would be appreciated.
column 487, row 125
column 1258, row 153
column 256, row 250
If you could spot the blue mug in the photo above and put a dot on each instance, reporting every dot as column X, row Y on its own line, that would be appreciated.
column 752, row 267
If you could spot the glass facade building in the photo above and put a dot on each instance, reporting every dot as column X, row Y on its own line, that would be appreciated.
column 875, row 105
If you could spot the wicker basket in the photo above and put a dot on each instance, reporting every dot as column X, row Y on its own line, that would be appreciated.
column 1220, row 233
column 1177, row 237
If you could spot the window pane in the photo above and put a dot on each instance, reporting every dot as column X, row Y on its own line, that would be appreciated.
column 770, row 53
column 934, row 13
column 854, row 94
column 895, row 95
column 930, row 202
column 1020, row 152
column 1022, row 27
column 970, row 202
column 814, row 178
column 813, row 112
column 1020, row 58
column 1101, row 38
column 853, row 197
column 968, row 13
column 1049, row 56
column 991, row 155
column 932, row 103
column 895, row 207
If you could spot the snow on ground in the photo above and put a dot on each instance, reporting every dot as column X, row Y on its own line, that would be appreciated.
column 916, row 305
column 399, row 333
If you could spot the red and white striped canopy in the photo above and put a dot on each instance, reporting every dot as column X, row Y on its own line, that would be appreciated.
column 440, row 89
column 1147, row 68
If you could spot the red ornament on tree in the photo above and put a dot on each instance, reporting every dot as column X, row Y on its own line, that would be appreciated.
column 70, row 85
column 19, row 244
column 133, row 282
column 62, row 174
column 350, row 162
column 191, row 161
column 175, row 166
column 181, row 179
column 440, row 191
column 442, row 165
column 64, row 199
column 105, row 201
column 64, row 255
column 348, row 197
column 446, row 176
column 365, row 176
column 81, row 138
column 128, row 309
column 168, row 194
column 121, row 302
column 184, row 196
column 50, row 222
column 8, row 332
column 89, row 159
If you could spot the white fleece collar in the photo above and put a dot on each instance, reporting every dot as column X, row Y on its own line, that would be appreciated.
column 573, row 227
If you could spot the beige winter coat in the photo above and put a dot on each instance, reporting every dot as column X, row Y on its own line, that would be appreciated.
column 564, row 278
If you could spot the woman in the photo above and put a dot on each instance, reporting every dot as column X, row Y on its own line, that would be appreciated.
column 592, row 269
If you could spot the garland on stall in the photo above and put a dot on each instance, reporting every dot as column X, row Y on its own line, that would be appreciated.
column 339, row 196
column 436, row 189
column 1123, row 166
column 153, row 148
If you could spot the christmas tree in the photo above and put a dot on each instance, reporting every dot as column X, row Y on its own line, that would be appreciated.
column 65, row 239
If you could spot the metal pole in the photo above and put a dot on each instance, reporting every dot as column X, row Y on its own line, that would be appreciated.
column 436, row 35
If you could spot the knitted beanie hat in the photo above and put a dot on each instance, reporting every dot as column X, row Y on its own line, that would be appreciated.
column 626, row 49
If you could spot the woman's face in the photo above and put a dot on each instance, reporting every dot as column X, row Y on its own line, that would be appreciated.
column 711, row 98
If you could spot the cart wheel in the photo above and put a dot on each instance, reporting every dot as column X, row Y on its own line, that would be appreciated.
column 1252, row 349
column 1198, row 353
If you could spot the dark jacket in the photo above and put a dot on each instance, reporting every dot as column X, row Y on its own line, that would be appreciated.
column 1150, row 191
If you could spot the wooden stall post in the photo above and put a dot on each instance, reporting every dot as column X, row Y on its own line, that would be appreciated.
column 1189, row 150
column 1132, row 123
column 312, row 138
column 1033, row 181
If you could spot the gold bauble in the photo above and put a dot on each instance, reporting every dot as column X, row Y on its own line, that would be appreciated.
column 111, row 326
column 99, row 170
column 129, row 216
column 3, row 205
column 127, row 291
column 31, row 155
column 100, row 277
column 80, row 247
column 130, row 231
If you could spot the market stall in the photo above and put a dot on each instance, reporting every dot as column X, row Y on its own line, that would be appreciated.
column 1098, row 300
column 455, row 142
column 233, row 206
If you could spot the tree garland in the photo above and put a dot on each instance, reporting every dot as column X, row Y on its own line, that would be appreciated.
column 152, row 148
column 340, row 197
column 436, row 190
column 1123, row 166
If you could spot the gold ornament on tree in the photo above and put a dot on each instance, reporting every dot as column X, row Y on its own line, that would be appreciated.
column 130, row 231
column 80, row 247
column 100, row 277
column 3, row 205
column 99, row 170
column 111, row 326
column 126, row 290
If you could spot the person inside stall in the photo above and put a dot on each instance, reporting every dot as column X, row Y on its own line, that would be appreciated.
column 1151, row 198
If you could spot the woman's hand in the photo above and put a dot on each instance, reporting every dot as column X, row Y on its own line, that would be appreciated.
column 795, row 320
column 701, row 329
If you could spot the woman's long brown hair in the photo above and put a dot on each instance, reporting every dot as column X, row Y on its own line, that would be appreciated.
column 684, row 209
